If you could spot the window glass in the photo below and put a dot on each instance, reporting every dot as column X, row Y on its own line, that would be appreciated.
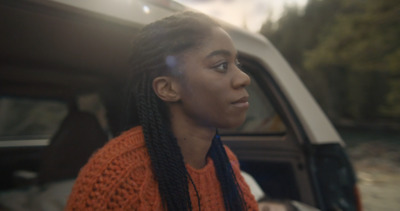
column 29, row 118
column 262, row 117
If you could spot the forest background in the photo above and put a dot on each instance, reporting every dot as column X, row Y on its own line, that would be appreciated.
column 348, row 55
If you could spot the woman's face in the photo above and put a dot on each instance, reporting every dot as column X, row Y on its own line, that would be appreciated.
column 213, row 90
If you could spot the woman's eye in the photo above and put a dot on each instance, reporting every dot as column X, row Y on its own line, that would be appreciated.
column 239, row 65
column 223, row 67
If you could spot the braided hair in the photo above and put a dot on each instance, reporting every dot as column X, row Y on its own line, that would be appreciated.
column 154, row 50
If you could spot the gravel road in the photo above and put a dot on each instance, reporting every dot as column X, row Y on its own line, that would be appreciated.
column 377, row 164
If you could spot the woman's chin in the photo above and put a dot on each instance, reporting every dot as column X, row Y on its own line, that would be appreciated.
column 232, row 124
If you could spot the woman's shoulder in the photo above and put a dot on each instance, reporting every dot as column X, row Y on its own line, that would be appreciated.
column 129, row 145
column 130, row 139
column 120, row 165
column 125, row 151
column 231, row 155
column 232, row 159
column 248, row 196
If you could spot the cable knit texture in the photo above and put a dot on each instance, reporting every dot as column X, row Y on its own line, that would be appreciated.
column 119, row 177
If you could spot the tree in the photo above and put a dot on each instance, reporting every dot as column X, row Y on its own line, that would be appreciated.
column 347, row 52
column 362, row 46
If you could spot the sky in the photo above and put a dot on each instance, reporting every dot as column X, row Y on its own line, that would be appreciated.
column 250, row 14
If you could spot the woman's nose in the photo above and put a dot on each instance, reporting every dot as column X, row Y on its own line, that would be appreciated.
column 240, row 79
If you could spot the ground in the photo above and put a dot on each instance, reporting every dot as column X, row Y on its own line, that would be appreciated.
column 376, row 158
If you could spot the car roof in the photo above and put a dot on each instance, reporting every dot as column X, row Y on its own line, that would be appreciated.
column 127, row 17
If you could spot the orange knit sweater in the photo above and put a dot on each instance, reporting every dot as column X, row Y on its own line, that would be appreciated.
column 119, row 177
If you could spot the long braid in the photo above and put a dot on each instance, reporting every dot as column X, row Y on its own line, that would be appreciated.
column 233, row 197
column 162, row 147
column 157, row 41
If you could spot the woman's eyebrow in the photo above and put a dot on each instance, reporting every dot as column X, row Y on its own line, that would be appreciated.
column 222, row 52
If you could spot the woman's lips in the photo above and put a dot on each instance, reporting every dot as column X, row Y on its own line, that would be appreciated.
column 242, row 102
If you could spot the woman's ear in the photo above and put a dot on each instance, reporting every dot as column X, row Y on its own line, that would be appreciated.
column 166, row 88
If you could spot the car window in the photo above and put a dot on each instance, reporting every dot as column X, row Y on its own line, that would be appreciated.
column 30, row 119
column 262, row 118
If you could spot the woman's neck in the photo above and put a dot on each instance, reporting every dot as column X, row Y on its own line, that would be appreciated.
column 194, row 141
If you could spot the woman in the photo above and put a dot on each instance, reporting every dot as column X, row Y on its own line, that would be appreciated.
column 185, row 83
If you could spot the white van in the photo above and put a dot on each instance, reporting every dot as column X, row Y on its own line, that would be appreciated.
column 63, row 57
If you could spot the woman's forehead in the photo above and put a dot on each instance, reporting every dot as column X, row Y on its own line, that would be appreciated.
column 216, row 43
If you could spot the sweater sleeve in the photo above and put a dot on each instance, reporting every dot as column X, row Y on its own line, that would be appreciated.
column 248, row 196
